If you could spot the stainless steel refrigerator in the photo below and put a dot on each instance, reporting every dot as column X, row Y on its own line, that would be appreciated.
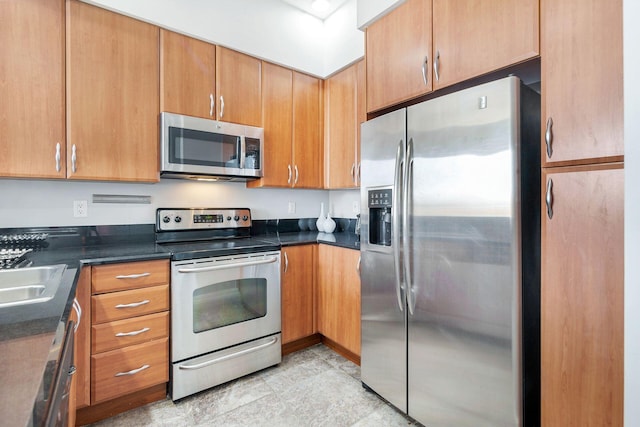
column 450, row 269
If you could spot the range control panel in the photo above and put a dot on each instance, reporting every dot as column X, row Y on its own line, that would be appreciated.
column 201, row 219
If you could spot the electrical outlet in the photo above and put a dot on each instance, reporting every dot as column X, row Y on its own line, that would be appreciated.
column 292, row 207
column 355, row 207
column 80, row 209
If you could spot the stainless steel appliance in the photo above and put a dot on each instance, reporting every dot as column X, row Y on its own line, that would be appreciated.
column 225, row 297
column 195, row 148
column 450, row 257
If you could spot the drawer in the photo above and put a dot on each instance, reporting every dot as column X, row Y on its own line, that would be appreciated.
column 125, row 304
column 123, row 371
column 130, row 275
column 121, row 333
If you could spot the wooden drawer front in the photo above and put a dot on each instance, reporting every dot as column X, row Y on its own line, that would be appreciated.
column 121, row 333
column 106, row 384
column 125, row 304
column 131, row 275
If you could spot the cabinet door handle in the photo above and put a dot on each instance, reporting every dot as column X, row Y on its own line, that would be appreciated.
column 133, row 276
column 295, row 180
column 221, row 106
column 74, row 159
column 353, row 172
column 436, row 65
column 286, row 262
column 549, row 198
column 133, row 333
column 212, row 104
column 358, row 173
column 58, row 157
column 78, row 310
column 548, row 137
column 133, row 304
column 133, row 371
column 358, row 265
column 289, row 176
column 425, row 64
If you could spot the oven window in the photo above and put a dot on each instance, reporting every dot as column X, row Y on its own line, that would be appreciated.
column 230, row 302
column 194, row 147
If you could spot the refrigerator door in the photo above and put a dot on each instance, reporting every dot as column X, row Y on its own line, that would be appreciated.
column 383, row 349
column 463, row 245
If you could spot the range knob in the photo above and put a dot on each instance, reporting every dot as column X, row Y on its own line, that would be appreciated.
column 236, row 218
column 166, row 219
column 177, row 218
column 229, row 218
column 245, row 217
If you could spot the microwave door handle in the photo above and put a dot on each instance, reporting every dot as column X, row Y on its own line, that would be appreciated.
column 243, row 151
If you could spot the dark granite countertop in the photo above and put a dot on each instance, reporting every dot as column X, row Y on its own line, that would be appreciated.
column 38, row 331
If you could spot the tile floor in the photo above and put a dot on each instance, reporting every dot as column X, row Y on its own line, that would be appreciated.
column 312, row 387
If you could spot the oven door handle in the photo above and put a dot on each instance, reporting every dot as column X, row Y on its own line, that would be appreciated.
column 225, row 266
column 229, row 356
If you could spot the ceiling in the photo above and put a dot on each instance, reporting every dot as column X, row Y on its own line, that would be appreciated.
column 305, row 6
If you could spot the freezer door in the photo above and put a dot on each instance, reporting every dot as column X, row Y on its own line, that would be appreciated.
column 383, row 346
column 463, row 251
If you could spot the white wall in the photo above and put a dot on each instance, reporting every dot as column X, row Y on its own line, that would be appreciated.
column 29, row 203
column 370, row 10
column 267, row 29
column 632, row 212
column 344, row 203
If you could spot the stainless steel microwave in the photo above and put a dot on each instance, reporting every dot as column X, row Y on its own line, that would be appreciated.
column 203, row 149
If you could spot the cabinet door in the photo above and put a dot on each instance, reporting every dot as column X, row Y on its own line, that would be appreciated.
column 399, row 59
column 474, row 37
column 298, row 274
column 340, row 129
column 82, row 349
column 307, row 131
column 112, row 96
column 582, row 84
column 582, row 305
column 32, row 101
column 338, row 302
column 277, row 107
column 187, row 75
column 238, row 86
column 361, row 109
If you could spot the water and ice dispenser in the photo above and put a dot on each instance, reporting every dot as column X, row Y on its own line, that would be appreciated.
column 379, row 205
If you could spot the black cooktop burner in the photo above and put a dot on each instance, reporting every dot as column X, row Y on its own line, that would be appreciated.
column 190, row 233
column 209, row 248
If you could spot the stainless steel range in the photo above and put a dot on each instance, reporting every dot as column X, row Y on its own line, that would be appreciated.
column 225, row 297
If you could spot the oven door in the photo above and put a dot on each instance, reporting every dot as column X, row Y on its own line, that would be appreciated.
column 223, row 301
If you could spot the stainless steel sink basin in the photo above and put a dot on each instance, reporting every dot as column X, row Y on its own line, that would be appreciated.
column 29, row 285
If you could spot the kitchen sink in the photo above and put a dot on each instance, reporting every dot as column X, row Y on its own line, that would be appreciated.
column 29, row 285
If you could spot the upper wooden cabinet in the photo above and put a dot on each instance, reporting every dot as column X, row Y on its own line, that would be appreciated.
column 426, row 45
column 471, row 38
column 187, row 75
column 112, row 96
column 291, row 108
column 582, row 297
column 238, row 87
column 398, row 55
column 343, row 114
column 582, row 84
column 32, row 113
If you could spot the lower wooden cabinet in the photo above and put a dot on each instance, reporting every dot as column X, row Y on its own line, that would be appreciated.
column 338, row 296
column 122, row 343
column 582, row 301
column 297, row 290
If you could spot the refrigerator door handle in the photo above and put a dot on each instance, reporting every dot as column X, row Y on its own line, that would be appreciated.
column 407, row 194
column 395, row 213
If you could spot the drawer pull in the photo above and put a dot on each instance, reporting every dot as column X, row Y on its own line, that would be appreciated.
column 132, row 334
column 133, row 304
column 134, row 276
column 133, row 371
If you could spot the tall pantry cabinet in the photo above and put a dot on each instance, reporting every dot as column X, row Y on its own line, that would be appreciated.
column 582, row 301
